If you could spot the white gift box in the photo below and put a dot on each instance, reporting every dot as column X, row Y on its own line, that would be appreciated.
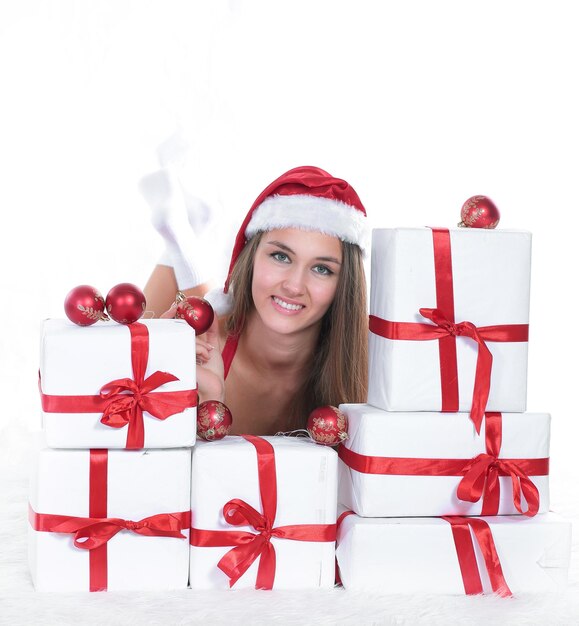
column 491, row 281
column 306, row 476
column 418, row 555
column 78, row 361
column 404, row 437
column 139, row 484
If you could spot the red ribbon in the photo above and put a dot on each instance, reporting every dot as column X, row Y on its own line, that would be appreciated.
column 480, row 474
column 339, row 522
column 123, row 401
column 92, row 533
column 249, row 545
column 463, row 541
column 445, row 330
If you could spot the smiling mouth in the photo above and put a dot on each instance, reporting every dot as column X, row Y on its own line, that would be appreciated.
column 286, row 305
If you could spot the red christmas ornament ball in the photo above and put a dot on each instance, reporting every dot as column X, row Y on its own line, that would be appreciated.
column 328, row 425
column 213, row 420
column 125, row 303
column 197, row 312
column 84, row 305
column 479, row 212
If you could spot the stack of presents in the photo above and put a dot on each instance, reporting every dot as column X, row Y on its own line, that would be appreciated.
column 441, row 486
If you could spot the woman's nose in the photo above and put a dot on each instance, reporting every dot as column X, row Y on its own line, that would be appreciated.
column 294, row 282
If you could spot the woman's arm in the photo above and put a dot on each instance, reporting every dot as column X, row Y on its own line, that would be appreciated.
column 208, row 347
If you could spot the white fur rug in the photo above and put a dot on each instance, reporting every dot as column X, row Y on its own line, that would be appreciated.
column 20, row 604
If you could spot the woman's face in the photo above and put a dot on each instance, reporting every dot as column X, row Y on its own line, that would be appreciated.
column 295, row 275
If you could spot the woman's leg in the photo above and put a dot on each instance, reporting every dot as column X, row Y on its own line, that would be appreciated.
column 161, row 289
column 181, row 220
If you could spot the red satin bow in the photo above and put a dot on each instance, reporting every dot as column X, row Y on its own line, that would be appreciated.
column 248, row 545
column 484, row 362
column 123, row 401
column 466, row 555
column 482, row 478
column 481, row 475
column 93, row 532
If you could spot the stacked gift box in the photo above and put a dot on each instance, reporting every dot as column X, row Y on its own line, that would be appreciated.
column 444, row 477
column 110, row 496
column 122, row 499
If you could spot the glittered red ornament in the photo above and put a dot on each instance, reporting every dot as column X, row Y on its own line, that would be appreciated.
column 84, row 305
column 197, row 312
column 213, row 420
column 328, row 425
column 125, row 303
column 479, row 212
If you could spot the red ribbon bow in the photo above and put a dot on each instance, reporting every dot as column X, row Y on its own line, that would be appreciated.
column 482, row 479
column 248, row 545
column 481, row 475
column 463, row 542
column 123, row 401
column 484, row 362
column 446, row 331
column 93, row 532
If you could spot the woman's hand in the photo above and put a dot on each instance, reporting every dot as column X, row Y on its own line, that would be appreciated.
column 210, row 374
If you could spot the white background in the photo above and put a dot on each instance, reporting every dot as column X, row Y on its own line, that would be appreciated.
column 418, row 104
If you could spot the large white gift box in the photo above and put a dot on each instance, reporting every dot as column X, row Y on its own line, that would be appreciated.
column 77, row 363
column 265, row 501
column 419, row 555
column 430, row 464
column 468, row 275
column 137, row 500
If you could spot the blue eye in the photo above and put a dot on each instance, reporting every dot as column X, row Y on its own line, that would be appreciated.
column 324, row 270
column 280, row 256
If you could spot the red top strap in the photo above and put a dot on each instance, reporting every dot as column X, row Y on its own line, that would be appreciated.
column 228, row 353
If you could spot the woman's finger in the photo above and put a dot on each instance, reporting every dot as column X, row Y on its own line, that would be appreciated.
column 204, row 344
column 203, row 354
column 170, row 313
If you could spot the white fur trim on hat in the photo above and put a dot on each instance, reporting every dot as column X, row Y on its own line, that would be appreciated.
column 222, row 303
column 307, row 212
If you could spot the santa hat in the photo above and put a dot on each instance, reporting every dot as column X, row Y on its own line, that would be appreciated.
column 307, row 198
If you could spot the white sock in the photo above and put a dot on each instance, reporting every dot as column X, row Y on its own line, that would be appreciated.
column 185, row 250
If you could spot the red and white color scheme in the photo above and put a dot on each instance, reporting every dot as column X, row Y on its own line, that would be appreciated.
column 115, row 386
column 263, row 514
column 306, row 198
column 454, row 555
column 434, row 464
column 110, row 520
column 449, row 315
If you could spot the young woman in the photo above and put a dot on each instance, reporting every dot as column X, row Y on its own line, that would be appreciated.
column 293, row 334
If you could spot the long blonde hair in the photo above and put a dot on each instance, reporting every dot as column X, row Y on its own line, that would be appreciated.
column 339, row 366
